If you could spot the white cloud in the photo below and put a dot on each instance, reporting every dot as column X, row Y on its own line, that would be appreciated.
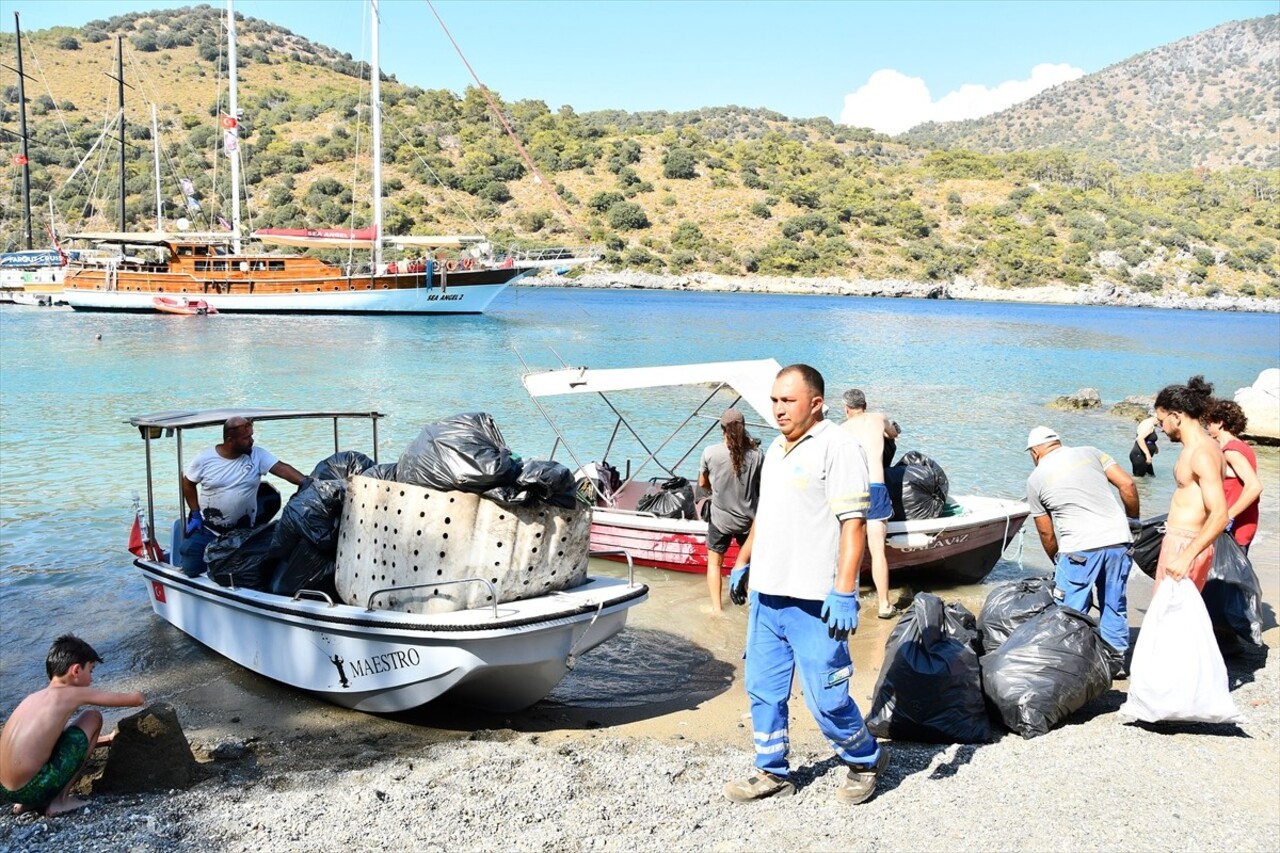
column 891, row 102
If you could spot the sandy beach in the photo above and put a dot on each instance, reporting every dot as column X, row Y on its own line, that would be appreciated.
column 625, row 771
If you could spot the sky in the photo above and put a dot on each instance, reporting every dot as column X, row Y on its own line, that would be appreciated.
column 885, row 65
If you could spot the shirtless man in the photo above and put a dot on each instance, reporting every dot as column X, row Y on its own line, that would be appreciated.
column 871, row 429
column 41, row 755
column 1198, row 511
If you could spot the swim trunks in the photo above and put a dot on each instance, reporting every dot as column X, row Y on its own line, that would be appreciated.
column 68, row 754
column 881, row 506
column 1176, row 539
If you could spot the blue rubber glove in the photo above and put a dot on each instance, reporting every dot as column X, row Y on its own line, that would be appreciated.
column 195, row 522
column 840, row 612
column 738, row 583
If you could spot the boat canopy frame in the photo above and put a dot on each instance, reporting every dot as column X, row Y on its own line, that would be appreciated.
column 173, row 424
column 750, row 381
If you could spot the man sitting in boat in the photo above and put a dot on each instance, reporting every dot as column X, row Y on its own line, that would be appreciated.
column 229, row 475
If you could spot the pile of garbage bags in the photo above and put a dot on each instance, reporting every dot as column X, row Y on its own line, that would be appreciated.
column 1024, row 662
column 930, row 686
column 465, row 452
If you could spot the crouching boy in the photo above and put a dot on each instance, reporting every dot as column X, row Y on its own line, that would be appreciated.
column 41, row 753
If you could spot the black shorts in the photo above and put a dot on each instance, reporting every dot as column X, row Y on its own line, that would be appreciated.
column 719, row 541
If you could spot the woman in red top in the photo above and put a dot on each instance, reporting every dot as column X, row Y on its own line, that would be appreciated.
column 1225, row 421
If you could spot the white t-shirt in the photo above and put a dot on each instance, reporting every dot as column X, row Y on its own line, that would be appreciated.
column 804, row 496
column 229, row 487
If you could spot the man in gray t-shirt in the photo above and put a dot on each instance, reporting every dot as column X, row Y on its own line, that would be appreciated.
column 1084, row 530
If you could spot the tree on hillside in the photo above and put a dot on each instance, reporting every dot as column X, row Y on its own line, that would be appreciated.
column 680, row 164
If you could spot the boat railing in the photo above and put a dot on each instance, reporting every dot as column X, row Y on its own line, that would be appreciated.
column 493, row 591
column 557, row 253
column 314, row 593
column 619, row 552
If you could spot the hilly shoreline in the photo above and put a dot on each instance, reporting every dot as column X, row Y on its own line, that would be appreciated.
column 962, row 289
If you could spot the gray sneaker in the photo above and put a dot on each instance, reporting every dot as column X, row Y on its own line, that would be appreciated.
column 860, row 784
column 758, row 786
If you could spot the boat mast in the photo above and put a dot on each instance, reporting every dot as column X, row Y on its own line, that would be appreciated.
column 155, row 145
column 22, row 129
column 375, row 97
column 234, row 113
column 120, row 99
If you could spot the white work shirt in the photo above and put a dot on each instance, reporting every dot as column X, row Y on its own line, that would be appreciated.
column 229, row 487
column 804, row 496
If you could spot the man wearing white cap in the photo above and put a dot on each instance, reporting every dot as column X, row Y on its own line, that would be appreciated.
column 1083, row 530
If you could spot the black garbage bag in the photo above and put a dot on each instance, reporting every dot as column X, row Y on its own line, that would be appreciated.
column 930, row 687
column 381, row 471
column 672, row 498
column 1147, row 539
column 1233, row 592
column 1009, row 605
column 963, row 626
column 1049, row 668
column 305, row 568
column 917, row 487
column 465, row 453
column 539, row 481
column 311, row 515
column 342, row 465
column 240, row 558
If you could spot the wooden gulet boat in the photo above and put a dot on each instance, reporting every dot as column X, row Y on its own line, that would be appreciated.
column 964, row 546
column 379, row 657
column 214, row 267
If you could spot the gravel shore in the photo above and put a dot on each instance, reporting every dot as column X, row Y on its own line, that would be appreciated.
column 349, row 782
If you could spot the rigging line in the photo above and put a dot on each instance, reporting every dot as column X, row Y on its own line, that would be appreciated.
column 56, row 107
column 484, row 90
column 471, row 220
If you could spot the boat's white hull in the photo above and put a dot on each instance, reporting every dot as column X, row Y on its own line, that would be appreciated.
column 384, row 661
column 470, row 299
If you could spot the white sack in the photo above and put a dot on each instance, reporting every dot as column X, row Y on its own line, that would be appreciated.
column 1177, row 672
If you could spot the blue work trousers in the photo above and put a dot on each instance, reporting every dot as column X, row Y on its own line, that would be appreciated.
column 782, row 633
column 1107, row 570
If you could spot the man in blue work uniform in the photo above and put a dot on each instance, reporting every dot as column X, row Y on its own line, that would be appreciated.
column 804, row 553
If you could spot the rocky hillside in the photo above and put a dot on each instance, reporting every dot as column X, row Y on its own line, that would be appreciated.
column 1211, row 100
column 722, row 190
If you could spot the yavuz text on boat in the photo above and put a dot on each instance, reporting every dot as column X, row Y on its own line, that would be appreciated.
column 451, row 635
column 964, row 545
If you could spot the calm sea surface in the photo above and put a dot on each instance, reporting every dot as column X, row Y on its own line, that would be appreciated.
column 965, row 380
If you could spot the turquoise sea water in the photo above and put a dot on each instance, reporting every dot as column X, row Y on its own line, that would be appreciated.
column 965, row 380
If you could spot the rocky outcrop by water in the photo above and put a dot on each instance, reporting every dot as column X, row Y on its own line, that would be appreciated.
column 961, row 288
column 1085, row 398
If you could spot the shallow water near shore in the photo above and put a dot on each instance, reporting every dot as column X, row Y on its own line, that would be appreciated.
column 965, row 380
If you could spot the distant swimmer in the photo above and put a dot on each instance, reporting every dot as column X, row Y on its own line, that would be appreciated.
column 1144, row 447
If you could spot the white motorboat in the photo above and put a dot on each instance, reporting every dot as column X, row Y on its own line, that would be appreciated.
column 964, row 545
column 499, row 656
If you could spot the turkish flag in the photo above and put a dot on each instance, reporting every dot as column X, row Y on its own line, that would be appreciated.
column 19, row 160
column 229, row 123
column 136, row 546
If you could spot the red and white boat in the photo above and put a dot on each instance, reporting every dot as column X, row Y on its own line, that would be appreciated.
column 185, row 307
column 964, row 545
